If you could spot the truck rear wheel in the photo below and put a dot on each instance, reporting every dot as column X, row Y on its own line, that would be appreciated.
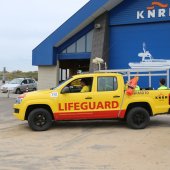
column 138, row 118
column 40, row 119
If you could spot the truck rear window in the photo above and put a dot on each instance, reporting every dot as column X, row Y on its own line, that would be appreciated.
column 107, row 84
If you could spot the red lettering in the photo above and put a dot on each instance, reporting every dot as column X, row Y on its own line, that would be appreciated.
column 76, row 106
column 115, row 104
column 92, row 105
column 70, row 105
column 107, row 105
column 59, row 107
column 66, row 106
column 84, row 106
column 100, row 106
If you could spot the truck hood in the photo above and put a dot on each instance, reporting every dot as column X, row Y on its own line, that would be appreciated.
column 41, row 94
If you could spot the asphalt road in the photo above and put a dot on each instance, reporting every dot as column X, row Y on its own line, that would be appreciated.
column 82, row 145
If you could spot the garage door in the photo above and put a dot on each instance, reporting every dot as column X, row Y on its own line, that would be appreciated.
column 126, row 42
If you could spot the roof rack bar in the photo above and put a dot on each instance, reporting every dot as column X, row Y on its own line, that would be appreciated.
column 142, row 75
column 150, row 72
column 133, row 70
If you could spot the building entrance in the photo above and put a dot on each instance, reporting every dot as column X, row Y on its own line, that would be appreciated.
column 69, row 68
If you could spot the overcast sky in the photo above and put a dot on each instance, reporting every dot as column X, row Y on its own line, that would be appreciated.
column 24, row 24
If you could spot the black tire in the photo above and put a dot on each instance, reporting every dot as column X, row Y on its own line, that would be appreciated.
column 138, row 118
column 40, row 119
column 18, row 91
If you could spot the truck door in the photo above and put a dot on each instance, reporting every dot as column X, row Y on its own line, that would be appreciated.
column 72, row 103
column 108, row 97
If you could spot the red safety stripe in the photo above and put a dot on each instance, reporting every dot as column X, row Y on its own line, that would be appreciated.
column 89, row 115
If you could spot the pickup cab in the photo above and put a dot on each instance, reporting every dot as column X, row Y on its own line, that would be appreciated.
column 106, row 99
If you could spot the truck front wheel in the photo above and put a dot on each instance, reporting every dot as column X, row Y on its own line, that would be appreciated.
column 40, row 119
column 138, row 118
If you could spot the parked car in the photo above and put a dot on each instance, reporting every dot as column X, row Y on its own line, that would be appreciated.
column 19, row 85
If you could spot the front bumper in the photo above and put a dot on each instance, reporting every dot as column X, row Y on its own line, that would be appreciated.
column 5, row 90
column 19, row 112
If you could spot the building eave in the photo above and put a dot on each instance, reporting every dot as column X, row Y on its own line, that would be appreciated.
column 107, row 7
column 43, row 53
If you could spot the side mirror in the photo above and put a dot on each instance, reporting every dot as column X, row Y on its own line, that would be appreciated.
column 65, row 90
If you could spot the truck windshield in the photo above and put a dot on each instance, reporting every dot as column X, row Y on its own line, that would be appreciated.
column 61, row 84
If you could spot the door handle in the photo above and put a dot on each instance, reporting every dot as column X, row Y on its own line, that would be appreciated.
column 88, row 98
column 116, row 96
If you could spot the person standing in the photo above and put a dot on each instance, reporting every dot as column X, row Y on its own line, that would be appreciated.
column 137, row 88
column 162, row 83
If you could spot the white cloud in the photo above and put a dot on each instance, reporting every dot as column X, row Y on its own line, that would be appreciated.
column 24, row 24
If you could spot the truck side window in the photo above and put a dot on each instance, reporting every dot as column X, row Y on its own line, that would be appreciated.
column 76, row 85
column 107, row 84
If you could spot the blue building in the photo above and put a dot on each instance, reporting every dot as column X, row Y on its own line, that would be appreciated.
column 115, row 30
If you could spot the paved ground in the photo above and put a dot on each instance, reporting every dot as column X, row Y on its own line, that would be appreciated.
column 82, row 145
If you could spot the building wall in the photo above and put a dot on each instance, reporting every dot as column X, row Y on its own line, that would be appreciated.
column 100, row 43
column 134, row 23
column 137, row 11
column 47, row 77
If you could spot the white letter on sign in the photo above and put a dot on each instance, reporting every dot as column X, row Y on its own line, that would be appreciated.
column 161, row 13
column 151, row 14
column 140, row 14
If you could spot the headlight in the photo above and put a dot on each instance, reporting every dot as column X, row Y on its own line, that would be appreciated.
column 19, row 100
column 3, row 88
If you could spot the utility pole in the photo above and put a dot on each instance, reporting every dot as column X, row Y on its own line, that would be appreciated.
column 3, row 76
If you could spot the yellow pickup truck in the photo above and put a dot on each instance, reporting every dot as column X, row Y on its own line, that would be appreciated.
column 106, row 99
